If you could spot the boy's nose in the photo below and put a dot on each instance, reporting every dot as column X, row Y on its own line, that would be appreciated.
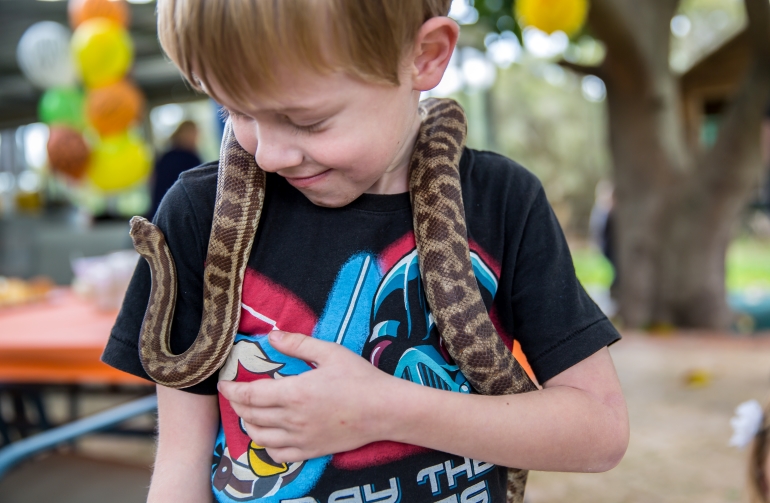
column 276, row 151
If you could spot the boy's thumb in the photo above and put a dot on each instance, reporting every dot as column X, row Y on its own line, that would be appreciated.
column 299, row 346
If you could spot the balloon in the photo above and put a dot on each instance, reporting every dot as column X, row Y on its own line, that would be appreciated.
column 83, row 10
column 549, row 16
column 62, row 105
column 103, row 51
column 113, row 108
column 44, row 56
column 67, row 152
column 119, row 162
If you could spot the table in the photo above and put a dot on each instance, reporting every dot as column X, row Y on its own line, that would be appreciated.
column 57, row 342
column 53, row 344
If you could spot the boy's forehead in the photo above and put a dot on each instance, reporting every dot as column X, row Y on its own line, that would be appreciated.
column 296, row 91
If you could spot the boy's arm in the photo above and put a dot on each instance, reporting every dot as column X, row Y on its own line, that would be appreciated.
column 187, row 429
column 577, row 422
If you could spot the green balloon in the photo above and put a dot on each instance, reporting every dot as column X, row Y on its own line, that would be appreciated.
column 62, row 105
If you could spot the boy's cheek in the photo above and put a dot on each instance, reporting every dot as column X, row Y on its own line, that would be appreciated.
column 246, row 138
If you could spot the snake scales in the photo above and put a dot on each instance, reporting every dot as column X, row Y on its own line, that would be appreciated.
column 442, row 247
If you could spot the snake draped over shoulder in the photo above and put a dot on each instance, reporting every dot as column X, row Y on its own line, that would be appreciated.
column 442, row 247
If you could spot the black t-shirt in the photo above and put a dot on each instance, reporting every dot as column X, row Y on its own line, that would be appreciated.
column 350, row 275
column 167, row 169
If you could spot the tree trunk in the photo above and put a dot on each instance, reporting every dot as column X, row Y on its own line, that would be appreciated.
column 675, row 204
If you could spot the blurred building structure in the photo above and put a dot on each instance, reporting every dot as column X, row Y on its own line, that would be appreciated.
column 709, row 84
column 37, row 240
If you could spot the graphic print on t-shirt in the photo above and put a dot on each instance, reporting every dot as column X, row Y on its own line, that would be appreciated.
column 376, row 308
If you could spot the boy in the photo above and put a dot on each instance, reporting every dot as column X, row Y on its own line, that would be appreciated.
column 325, row 95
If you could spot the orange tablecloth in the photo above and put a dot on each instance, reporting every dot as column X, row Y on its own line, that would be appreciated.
column 59, row 341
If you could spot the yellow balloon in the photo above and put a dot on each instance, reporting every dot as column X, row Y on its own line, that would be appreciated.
column 549, row 16
column 103, row 51
column 119, row 162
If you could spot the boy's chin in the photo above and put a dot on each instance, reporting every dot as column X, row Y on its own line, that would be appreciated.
column 330, row 200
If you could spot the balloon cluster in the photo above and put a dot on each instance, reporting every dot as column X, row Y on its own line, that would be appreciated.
column 549, row 16
column 99, row 53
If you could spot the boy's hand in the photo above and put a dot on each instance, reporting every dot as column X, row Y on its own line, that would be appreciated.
column 334, row 408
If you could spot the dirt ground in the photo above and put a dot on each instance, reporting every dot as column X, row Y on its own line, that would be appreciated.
column 681, row 390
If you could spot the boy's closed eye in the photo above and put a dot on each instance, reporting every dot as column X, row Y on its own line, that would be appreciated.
column 310, row 126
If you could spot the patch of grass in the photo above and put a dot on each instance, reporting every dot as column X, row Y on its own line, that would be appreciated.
column 592, row 268
column 748, row 266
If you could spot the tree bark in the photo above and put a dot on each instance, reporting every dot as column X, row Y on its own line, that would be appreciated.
column 675, row 205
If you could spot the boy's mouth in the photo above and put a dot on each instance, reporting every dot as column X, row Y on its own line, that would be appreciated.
column 306, row 181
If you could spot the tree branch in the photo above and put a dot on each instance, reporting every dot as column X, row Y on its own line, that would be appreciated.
column 624, row 62
column 758, row 12
column 583, row 69
column 733, row 163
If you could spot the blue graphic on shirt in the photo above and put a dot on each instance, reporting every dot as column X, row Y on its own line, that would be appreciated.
column 390, row 346
column 382, row 315
column 345, row 319
column 424, row 365
column 253, row 476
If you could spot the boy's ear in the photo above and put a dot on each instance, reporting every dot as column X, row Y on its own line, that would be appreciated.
column 433, row 48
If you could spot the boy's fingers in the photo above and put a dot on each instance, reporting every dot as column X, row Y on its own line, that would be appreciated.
column 260, row 393
column 260, row 416
column 302, row 346
column 267, row 437
column 286, row 454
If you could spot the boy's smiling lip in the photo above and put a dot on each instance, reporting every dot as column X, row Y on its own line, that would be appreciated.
column 306, row 181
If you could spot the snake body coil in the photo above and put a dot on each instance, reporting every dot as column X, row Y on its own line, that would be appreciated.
column 442, row 246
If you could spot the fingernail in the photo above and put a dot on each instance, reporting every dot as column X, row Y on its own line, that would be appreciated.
column 276, row 335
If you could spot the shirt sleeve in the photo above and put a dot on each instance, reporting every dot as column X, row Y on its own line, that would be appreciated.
column 555, row 321
column 177, row 219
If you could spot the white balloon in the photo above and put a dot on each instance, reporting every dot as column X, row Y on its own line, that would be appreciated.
column 44, row 55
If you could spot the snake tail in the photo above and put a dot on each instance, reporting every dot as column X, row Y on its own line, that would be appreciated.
column 239, row 199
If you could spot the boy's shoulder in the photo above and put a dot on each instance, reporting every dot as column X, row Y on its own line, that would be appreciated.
column 488, row 174
column 195, row 190
column 202, row 177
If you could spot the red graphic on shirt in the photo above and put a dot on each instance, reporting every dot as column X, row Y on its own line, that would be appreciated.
column 267, row 306
column 237, row 439
column 375, row 454
column 395, row 252
column 406, row 244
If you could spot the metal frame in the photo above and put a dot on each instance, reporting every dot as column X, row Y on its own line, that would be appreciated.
column 20, row 450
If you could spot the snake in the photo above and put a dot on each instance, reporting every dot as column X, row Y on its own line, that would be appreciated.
column 442, row 247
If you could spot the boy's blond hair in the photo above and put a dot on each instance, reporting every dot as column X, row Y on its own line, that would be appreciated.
column 237, row 43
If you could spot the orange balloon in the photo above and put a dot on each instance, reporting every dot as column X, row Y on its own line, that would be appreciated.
column 83, row 10
column 68, row 152
column 113, row 108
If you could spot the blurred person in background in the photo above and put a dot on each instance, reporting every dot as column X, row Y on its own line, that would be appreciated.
column 182, row 156
column 601, row 226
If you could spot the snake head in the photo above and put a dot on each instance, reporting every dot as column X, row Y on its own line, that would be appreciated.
column 136, row 223
column 144, row 234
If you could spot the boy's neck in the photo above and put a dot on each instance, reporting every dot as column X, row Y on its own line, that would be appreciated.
column 395, row 180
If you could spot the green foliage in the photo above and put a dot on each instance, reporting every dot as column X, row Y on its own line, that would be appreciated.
column 748, row 266
column 551, row 129
column 497, row 16
column 592, row 268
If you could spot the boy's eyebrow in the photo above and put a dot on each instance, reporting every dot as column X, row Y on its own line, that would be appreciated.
column 280, row 110
column 321, row 109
